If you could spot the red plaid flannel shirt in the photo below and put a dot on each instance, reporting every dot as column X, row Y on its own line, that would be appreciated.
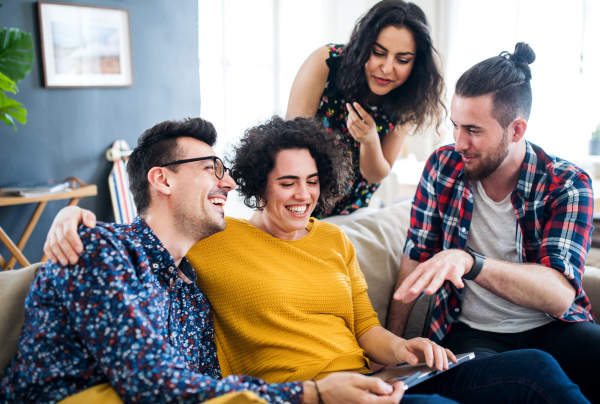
column 553, row 203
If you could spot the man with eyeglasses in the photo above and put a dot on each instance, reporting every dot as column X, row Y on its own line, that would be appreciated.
column 126, row 321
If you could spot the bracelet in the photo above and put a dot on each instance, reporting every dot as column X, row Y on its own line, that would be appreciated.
column 318, row 392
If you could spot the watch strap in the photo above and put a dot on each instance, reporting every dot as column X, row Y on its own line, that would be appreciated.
column 478, row 259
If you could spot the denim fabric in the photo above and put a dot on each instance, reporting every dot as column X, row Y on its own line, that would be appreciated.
column 578, row 358
column 421, row 399
column 524, row 376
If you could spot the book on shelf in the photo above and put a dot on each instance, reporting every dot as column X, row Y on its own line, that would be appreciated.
column 32, row 189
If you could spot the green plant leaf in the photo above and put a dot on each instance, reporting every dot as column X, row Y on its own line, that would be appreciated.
column 16, row 53
column 11, row 110
column 6, row 84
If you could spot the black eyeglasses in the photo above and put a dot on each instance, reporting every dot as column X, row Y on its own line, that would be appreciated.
column 220, row 168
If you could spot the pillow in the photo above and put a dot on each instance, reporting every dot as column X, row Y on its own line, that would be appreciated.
column 14, row 286
column 379, row 242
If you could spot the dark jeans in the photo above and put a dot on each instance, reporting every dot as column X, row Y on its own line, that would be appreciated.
column 421, row 399
column 526, row 376
column 575, row 346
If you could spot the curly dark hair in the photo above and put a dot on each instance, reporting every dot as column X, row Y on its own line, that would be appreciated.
column 254, row 158
column 420, row 98
column 157, row 146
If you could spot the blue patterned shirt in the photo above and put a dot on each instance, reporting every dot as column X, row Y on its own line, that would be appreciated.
column 553, row 203
column 114, row 317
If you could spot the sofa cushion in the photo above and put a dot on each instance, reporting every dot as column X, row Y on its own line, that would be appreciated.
column 591, row 286
column 14, row 286
column 379, row 242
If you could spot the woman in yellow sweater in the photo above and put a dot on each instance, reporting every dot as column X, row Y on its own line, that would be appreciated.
column 289, row 301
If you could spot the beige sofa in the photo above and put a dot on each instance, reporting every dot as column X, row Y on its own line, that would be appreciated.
column 378, row 236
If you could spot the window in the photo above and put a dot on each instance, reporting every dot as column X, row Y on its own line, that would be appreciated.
column 565, row 79
column 250, row 52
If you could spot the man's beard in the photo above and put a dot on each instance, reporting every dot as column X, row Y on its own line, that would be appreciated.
column 490, row 164
column 195, row 225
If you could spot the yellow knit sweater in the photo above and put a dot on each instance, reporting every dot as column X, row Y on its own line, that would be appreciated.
column 284, row 310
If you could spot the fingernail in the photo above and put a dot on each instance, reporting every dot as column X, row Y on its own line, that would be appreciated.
column 63, row 262
column 388, row 388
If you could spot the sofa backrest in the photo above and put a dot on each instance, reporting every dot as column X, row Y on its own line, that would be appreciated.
column 591, row 285
column 379, row 236
column 14, row 286
column 379, row 242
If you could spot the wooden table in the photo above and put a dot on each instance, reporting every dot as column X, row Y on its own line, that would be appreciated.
column 17, row 250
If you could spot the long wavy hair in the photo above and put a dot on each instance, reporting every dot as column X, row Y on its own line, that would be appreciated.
column 420, row 98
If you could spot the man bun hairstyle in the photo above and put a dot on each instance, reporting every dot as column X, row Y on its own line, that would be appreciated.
column 257, row 151
column 158, row 146
column 506, row 78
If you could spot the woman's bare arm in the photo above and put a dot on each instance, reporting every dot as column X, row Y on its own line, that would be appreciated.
column 384, row 347
column 308, row 85
column 376, row 157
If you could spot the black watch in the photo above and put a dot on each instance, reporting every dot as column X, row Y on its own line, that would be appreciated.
column 477, row 265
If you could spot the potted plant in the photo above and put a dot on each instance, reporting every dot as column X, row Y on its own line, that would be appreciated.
column 16, row 59
column 594, row 143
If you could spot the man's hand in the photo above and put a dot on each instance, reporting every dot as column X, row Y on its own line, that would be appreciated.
column 353, row 388
column 429, row 276
column 63, row 243
column 418, row 350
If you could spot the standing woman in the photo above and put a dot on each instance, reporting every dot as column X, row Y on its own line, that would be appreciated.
column 373, row 91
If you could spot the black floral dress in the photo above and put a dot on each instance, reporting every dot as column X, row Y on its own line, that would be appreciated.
column 333, row 113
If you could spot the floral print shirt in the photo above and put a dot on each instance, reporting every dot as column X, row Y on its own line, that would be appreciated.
column 333, row 113
column 127, row 315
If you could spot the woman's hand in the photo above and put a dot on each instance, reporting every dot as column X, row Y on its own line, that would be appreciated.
column 63, row 243
column 352, row 388
column 417, row 350
column 362, row 130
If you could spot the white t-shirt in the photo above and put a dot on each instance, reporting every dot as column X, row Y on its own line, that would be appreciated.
column 492, row 233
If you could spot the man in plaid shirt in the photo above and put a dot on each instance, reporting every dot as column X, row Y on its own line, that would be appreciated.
column 500, row 231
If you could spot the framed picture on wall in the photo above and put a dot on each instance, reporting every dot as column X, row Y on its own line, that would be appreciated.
column 85, row 46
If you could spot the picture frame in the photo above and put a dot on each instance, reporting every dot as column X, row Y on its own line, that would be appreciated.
column 85, row 46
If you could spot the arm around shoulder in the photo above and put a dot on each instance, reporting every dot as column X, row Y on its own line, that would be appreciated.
column 308, row 85
column 63, row 243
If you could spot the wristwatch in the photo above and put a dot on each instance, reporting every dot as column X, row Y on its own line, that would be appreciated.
column 477, row 265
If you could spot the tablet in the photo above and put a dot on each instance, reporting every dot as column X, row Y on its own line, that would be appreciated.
column 412, row 375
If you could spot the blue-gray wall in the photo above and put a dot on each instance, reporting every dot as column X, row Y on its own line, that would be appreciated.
column 69, row 130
